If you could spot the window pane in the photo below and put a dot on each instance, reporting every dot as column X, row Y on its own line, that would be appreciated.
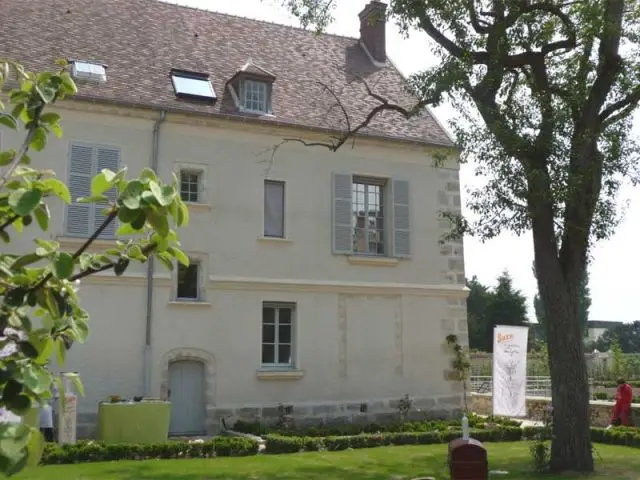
column 273, row 209
column 268, row 315
column 284, row 334
column 284, row 315
column 188, row 281
column 255, row 96
column 368, row 217
column 268, row 333
column 199, row 87
column 284, row 354
column 190, row 186
column 268, row 353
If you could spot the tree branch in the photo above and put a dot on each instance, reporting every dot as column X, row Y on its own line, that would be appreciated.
column 145, row 251
column 630, row 100
column 8, row 222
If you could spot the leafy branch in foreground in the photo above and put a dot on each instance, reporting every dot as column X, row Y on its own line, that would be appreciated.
column 40, row 312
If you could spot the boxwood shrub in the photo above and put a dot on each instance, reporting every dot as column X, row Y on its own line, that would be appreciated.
column 102, row 452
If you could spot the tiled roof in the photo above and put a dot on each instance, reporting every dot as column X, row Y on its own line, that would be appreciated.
column 142, row 40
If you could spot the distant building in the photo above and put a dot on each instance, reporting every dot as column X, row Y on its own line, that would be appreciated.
column 595, row 329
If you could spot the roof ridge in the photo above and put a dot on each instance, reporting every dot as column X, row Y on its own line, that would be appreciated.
column 256, row 20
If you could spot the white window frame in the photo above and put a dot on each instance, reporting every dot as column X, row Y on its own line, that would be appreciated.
column 292, row 364
column 199, row 183
column 91, row 71
column 203, row 193
column 201, row 260
column 264, row 86
column 383, row 183
column 284, row 208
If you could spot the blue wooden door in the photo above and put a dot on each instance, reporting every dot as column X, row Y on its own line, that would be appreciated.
column 186, row 381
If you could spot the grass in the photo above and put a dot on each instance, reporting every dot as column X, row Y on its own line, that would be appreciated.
column 615, row 463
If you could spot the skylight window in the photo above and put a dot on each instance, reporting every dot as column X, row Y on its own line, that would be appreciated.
column 193, row 85
column 95, row 72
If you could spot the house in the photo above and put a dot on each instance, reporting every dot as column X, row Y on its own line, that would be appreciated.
column 318, row 279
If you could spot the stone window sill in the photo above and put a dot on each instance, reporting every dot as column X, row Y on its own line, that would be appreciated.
column 372, row 261
column 264, row 374
column 275, row 240
column 198, row 207
column 187, row 303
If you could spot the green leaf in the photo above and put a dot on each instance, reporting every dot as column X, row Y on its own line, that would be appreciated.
column 63, row 265
column 17, row 110
column 50, row 117
column 183, row 215
column 179, row 255
column 58, row 188
column 39, row 139
column 68, row 84
column 135, row 252
column 8, row 121
column 42, row 216
column 125, row 215
column 140, row 220
column 25, row 260
column 61, row 350
column 93, row 199
column 24, row 201
column 149, row 174
column 99, row 184
column 28, row 350
column 132, row 195
column 127, row 229
column 120, row 266
column 165, row 259
column 57, row 130
column 158, row 222
column 77, row 382
column 36, row 379
column 7, row 157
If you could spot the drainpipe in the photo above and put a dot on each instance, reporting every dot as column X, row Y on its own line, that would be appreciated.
column 149, row 316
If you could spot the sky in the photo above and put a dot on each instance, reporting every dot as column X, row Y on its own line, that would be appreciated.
column 614, row 261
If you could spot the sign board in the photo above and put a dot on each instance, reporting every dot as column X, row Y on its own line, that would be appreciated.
column 67, row 419
column 510, row 371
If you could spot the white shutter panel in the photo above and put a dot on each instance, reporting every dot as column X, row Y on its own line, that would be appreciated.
column 401, row 219
column 80, row 168
column 108, row 158
column 342, row 221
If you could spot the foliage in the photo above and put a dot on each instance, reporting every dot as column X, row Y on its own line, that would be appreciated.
column 292, row 444
column 627, row 336
column 486, row 308
column 404, row 407
column 83, row 452
column 540, row 451
column 351, row 429
column 40, row 313
column 545, row 91
column 461, row 365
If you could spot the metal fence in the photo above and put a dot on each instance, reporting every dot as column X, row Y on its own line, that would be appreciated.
column 536, row 386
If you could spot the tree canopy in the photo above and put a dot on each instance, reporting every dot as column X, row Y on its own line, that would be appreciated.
column 486, row 308
column 545, row 90
column 40, row 311
column 627, row 336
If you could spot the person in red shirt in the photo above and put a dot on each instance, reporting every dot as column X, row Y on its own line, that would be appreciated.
column 622, row 411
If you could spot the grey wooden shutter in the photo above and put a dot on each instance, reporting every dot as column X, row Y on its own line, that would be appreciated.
column 108, row 158
column 401, row 219
column 342, row 205
column 78, row 219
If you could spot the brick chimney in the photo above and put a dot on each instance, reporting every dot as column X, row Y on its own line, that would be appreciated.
column 372, row 30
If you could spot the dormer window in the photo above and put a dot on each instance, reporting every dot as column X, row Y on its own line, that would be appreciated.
column 254, row 96
column 192, row 85
column 92, row 71
column 251, row 89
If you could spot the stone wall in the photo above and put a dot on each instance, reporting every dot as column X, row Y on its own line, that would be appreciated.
column 338, row 413
column 481, row 403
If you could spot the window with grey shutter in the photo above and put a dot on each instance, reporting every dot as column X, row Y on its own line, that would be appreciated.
column 85, row 161
column 342, row 219
column 79, row 216
column 401, row 219
column 106, row 158
column 273, row 209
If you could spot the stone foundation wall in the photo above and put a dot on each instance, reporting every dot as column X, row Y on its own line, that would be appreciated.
column 481, row 403
column 315, row 414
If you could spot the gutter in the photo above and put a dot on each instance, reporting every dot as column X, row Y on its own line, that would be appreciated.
column 149, row 309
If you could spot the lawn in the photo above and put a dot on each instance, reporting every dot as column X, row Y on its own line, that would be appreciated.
column 367, row 464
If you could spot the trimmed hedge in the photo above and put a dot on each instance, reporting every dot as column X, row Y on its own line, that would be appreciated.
column 292, row 444
column 352, row 429
column 83, row 452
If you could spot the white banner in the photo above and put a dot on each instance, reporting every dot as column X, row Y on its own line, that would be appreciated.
column 510, row 371
column 67, row 419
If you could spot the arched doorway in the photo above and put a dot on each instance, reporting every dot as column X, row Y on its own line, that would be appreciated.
column 187, row 396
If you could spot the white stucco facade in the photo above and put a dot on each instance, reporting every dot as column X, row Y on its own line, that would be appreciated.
column 365, row 331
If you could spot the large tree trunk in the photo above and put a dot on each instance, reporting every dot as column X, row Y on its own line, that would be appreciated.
column 571, row 444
